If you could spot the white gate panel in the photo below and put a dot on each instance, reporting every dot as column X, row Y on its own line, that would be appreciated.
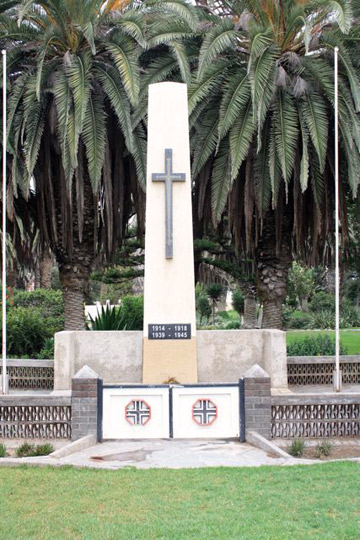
column 206, row 412
column 135, row 413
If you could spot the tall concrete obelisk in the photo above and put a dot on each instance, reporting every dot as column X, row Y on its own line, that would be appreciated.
column 169, row 348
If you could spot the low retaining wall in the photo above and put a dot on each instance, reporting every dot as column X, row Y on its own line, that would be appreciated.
column 305, row 370
column 35, row 417
column 222, row 355
column 315, row 416
column 30, row 374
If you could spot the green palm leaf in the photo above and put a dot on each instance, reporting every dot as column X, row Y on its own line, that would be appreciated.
column 205, row 142
column 211, row 80
column 94, row 138
column 314, row 115
column 139, row 154
column 79, row 78
column 220, row 180
column 235, row 99
column 113, row 88
column 240, row 137
column 63, row 101
column 216, row 41
column 286, row 132
column 125, row 58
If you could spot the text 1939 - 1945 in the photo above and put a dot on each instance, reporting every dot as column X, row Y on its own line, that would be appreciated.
column 169, row 331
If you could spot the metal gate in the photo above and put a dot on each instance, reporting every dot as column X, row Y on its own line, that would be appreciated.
column 172, row 411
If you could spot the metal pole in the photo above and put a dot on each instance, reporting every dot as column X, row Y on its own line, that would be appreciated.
column 4, row 208
column 337, row 384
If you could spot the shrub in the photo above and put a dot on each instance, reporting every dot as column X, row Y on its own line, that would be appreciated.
column 2, row 450
column 321, row 301
column 109, row 318
column 238, row 301
column 30, row 450
column 133, row 312
column 51, row 302
column 297, row 448
column 203, row 308
column 25, row 450
column 128, row 316
column 316, row 345
column 232, row 325
column 323, row 319
column 48, row 349
column 323, row 449
column 299, row 320
column 43, row 449
column 27, row 331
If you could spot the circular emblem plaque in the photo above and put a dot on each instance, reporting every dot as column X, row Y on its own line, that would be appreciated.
column 204, row 412
column 137, row 412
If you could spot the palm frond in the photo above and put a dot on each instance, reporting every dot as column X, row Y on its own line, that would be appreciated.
column 240, row 137
column 314, row 113
column 94, row 138
column 126, row 60
column 286, row 132
column 220, row 180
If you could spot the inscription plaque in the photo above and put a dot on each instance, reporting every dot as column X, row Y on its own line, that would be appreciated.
column 170, row 331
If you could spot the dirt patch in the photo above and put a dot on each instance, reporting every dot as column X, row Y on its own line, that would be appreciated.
column 337, row 452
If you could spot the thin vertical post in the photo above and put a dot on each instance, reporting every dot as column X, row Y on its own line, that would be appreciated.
column 4, row 209
column 337, row 384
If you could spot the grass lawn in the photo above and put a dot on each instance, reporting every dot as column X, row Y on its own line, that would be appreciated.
column 278, row 503
column 349, row 338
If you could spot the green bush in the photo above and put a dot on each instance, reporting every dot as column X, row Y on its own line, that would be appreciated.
column 322, row 301
column 323, row 319
column 232, row 325
column 297, row 448
column 133, row 312
column 51, row 302
column 43, row 449
column 299, row 320
column 48, row 349
column 128, row 316
column 203, row 308
column 316, row 345
column 323, row 449
column 30, row 450
column 2, row 450
column 238, row 301
column 27, row 331
column 32, row 321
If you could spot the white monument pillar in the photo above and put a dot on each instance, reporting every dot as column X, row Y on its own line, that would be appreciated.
column 169, row 348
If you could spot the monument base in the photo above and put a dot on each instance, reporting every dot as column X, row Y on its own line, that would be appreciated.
column 165, row 360
column 222, row 356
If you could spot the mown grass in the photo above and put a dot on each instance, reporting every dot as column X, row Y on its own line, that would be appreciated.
column 318, row 501
column 349, row 338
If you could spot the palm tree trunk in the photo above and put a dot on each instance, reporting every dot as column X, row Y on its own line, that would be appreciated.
column 250, row 319
column 248, row 291
column 75, row 262
column 273, row 262
column 75, row 288
column 46, row 265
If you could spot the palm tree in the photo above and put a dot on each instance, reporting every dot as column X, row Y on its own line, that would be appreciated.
column 262, row 111
column 74, row 77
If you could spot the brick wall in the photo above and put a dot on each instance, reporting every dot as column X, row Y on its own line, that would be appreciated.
column 84, row 406
column 258, row 405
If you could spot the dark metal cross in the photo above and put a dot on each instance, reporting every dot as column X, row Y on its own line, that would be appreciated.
column 168, row 177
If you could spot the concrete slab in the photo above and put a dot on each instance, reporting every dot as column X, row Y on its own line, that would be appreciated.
column 173, row 454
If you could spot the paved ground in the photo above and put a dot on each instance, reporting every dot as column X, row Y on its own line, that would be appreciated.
column 173, row 454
